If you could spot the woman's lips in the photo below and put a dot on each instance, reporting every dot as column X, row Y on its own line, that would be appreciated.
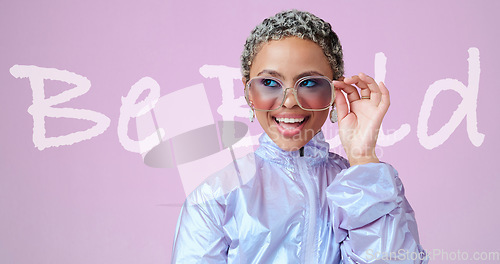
column 290, row 125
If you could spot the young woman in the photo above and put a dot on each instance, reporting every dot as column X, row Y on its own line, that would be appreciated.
column 292, row 201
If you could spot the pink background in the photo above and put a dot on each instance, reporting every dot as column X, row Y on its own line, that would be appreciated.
column 96, row 202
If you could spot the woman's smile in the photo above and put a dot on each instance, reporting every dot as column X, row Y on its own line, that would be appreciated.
column 289, row 124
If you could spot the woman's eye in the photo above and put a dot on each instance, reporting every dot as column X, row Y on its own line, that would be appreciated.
column 270, row 83
column 307, row 83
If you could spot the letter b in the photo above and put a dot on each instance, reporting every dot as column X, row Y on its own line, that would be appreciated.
column 43, row 107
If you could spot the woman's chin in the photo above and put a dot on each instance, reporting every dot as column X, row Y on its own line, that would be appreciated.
column 293, row 143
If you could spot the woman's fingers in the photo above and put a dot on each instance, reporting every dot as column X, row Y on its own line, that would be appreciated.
column 355, row 80
column 368, row 87
column 385, row 100
column 351, row 91
column 375, row 93
column 341, row 104
column 378, row 93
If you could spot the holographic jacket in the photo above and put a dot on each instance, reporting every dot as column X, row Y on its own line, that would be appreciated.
column 276, row 206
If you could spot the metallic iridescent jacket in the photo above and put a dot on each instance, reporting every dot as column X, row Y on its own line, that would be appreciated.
column 276, row 206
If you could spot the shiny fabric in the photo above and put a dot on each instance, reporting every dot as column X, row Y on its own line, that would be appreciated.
column 276, row 206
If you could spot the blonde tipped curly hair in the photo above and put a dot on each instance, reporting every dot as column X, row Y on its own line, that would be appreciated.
column 299, row 24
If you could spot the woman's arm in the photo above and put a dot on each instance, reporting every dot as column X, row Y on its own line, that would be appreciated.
column 372, row 220
column 199, row 237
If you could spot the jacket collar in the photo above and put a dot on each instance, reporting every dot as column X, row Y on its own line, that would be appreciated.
column 315, row 151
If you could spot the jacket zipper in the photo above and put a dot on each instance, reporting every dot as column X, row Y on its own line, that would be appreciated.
column 310, row 245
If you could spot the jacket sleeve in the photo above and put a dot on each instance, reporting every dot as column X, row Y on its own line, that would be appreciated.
column 199, row 237
column 372, row 220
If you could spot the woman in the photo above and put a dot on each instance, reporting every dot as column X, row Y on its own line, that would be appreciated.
column 292, row 201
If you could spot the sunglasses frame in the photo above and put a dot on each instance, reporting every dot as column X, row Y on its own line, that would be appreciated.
column 294, row 90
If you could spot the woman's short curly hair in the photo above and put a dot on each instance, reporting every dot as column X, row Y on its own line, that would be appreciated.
column 299, row 24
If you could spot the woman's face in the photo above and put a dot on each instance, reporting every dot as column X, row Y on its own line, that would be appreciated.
column 290, row 59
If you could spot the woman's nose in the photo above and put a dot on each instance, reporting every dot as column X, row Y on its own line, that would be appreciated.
column 290, row 100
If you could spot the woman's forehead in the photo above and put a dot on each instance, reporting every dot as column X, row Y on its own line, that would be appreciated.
column 289, row 58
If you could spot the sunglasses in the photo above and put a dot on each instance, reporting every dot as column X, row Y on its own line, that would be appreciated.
column 312, row 93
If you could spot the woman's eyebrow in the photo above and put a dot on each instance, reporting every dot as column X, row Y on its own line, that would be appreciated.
column 280, row 76
column 308, row 73
column 272, row 73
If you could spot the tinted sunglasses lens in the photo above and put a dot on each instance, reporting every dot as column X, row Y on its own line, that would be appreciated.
column 265, row 93
column 314, row 93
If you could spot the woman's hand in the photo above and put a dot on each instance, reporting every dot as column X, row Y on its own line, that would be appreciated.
column 359, row 125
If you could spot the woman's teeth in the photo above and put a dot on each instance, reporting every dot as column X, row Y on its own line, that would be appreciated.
column 289, row 120
column 289, row 123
